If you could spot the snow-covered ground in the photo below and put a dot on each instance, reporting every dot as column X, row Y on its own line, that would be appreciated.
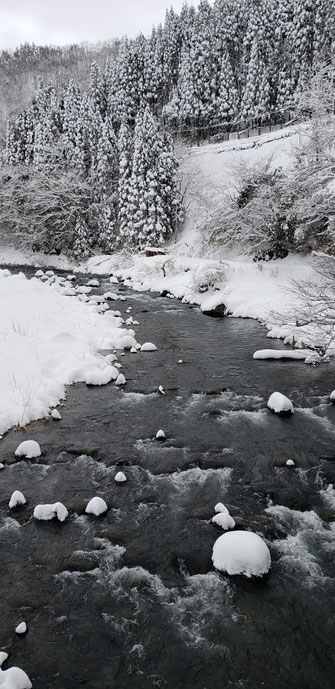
column 195, row 272
column 49, row 339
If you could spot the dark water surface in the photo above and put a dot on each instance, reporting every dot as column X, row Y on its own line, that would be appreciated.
column 131, row 599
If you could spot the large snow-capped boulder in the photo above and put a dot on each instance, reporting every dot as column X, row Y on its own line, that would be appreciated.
column 96, row 506
column 17, row 499
column 48, row 512
column 332, row 397
column 214, row 306
column 280, row 404
column 29, row 449
column 14, row 677
column 241, row 552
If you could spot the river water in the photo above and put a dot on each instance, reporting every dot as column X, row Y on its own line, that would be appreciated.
column 131, row 599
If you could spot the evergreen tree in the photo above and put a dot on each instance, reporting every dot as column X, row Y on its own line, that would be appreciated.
column 81, row 240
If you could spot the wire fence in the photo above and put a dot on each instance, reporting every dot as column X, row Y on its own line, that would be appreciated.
column 241, row 129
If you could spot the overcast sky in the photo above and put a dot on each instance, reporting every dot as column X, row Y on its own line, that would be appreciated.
column 71, row 21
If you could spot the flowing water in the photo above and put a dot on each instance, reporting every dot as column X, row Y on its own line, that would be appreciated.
column 131, row 599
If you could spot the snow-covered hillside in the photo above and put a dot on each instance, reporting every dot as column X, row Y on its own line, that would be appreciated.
column 209, row 172
column 195, row 271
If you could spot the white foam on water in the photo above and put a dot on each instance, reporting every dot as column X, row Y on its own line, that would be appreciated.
column 307, row 544
column 328, row 495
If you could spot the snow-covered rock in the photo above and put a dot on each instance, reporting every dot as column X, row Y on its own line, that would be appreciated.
column 29, row 449
column 241, row 552
column 55, row 415
column 39, row 273
column 160, row 435
column 220, row 507
column 225, row 521
column 17, row 499
column 120, row 380
column 111, row 296
column 47, row 512
column 49, row 273
column 96, row 506
column 113, row 279
column 133, row 350
column 180, row 361
column 332, row 397
column 120, row 477
column 14, row 677
column 280, row 404
column 71, row 277
column 148, row 347
column 290, row 463
column 281, row 354
column 161, row 389
column 98, row 376
column 83, row 289
column 93, row 283
column 2, row 466
column 127, row 342
column 21, row 628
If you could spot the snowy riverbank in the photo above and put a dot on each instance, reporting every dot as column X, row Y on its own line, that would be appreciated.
column 270, row 292
column 51, row 335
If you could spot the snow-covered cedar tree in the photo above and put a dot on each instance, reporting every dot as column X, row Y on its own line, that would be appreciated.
column 150, row 208
column 81, row 240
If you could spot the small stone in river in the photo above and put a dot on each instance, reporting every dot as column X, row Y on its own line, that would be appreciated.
column 21, row 628
column 120, row 380
column 17, row 499
column 28, row 449
column 148, row 347
column 55, row 414
column 96, row 506
column 180, row 361
column 161, row 390
column 120, row 477
column 290, row 463
column 160, row 435
column 2, row 466
column 133, row 350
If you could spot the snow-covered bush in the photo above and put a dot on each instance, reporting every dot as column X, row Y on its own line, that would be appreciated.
column 208, row 276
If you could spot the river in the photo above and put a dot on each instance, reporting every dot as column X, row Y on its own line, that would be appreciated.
column 131, row 599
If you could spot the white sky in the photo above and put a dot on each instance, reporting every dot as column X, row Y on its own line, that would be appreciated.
column 59, row 22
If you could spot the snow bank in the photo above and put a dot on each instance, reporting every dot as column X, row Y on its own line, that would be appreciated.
column 280, row 404
column 241, row 552
column 29, row 449
column 17, row 499
column 48, row 341
column 281, row 354
column 96, row 506
column 14, row 677
column 47, row 512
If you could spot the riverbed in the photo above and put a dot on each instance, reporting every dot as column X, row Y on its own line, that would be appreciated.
column 131, row 599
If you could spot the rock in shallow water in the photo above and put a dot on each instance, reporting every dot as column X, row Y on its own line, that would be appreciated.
column 241, row 552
